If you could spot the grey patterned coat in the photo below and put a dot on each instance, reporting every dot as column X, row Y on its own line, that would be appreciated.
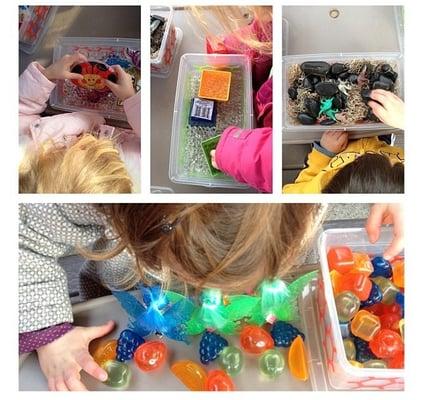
column 46, row 233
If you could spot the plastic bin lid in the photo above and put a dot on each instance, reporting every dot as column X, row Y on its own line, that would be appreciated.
column 344, row 29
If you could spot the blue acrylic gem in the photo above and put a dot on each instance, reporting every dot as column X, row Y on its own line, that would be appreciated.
column 345, row 329
column 381, row 267
column 374, row 297
column 399, row 299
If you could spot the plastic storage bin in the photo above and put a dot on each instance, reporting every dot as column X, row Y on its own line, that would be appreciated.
column 161, row 65
column 69, row 97
column 395, row 58
column 33, row 25
column 341, row 374
column 187, row 164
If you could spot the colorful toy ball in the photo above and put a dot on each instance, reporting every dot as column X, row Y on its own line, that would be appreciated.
column 255, row 340
column 150, row 355
column 219, row 381
column 94, row 75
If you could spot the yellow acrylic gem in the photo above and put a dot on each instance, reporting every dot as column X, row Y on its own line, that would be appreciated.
column 362, row 264
column 350, row 350
column 356, row 364
column 365, row 325
column 215, row 84
column 375, row 364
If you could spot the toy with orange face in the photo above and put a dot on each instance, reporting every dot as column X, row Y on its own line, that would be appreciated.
column 94, row 75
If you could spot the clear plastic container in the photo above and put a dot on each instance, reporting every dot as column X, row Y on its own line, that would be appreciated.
column 292, row 130
column 112, row 51
column 161, row 65
column 34, row 22
column 341, row 374
column 194, row 170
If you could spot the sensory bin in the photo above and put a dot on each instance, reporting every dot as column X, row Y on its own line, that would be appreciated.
column 361, row 303
column 259, row 328
column 33, row 24
column 165, row 39
column 110, row 51
column 213, row 92
column 334, row 91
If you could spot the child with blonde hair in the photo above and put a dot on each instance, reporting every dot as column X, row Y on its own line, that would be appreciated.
column 244, row 154
column 65, row 153
column 200, row 245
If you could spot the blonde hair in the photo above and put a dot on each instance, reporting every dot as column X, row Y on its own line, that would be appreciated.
column 229, row 20
column 90, row 165
column 228, row 246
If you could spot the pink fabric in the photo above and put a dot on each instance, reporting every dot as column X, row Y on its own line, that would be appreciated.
column 34, row 92
column 246, row 155
column 30, row 341
column 261, row 64
column 264, row 104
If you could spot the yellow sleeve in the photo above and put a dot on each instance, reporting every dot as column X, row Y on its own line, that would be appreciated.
column 308, row 180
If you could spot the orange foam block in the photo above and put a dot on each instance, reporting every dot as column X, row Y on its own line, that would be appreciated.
column 215, row 84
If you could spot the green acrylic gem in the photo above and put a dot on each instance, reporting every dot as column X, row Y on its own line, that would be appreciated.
column 231, row 360
column 118, row 374
column 375, row 364
column 349, row 347
column 272, row 363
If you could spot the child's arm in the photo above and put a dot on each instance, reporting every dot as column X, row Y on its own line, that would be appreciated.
column 388, row 107
column 46, row 233
column 331, row 143
column 125, row 91
column 246, row 155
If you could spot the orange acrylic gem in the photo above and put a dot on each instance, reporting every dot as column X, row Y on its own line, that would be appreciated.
column 365, row 325
column 362, row 264
column 335, row 278
column 104, row 350
column 219, row 381
column 297, row 359
column 398, row 272
column 255, row 340
column 215, row 84
column 150, row 355
column 359, row 284
column 191, row 374
column 340, row 259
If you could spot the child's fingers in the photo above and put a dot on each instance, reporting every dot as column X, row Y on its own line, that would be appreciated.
column 378, row 110
column 374, row 221
column 76, row 58
column 73, row 75
column 213, row 158
column 73, row 382
column 95, row 332
column 87, row 363
column 60, row 385
column 51, row 384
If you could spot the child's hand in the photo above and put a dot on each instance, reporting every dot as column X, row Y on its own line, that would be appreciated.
column 213, row 159
column 334, row 141
column 61, row 69
column 62, row 360
column 387, row 214
column 388, row 107
column 123, row 89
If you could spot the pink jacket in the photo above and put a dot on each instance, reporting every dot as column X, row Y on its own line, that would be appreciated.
column 34, row 92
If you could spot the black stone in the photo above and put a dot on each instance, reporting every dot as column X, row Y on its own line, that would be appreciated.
column 392, row 75
column 337, row 68
column 337, row 102
column 386, row 80
column 326, row 89
column 320, row 68
column 314, row 79
column 385, row 68
column 365, row 95
column 353, row 78
column 344, row 76
column 312, row 106
column 369, row 69
column 375, row 77
column 306, row 119
column 307, row 84
column 327, row 122
column 292, row 93
column 381, row 85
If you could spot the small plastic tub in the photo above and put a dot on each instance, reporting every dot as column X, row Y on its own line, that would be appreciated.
column 341, row 374
column 294, row 130
column 34, row 22
column 162, row 62
column 112, row 51
column 187, row 163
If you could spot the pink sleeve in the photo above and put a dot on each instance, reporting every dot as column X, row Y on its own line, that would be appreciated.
column 132, row 108
column 246, row 155
column 34, row 92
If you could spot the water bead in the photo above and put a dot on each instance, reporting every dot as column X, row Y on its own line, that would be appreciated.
column 118, row 374
column 104, row 351
column 272, row 363
column 150, row 355
column 231, row 360
column 191, row 374
column 255, row 340
column 347, row 305
column 365, row 325
column 219, row 381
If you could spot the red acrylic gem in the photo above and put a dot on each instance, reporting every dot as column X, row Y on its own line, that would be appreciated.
column 341, row 259
column 255, row 340
column 386, row 344
column 359, row 284
column 390, row 321
column 397, row 361
column 219, row 381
